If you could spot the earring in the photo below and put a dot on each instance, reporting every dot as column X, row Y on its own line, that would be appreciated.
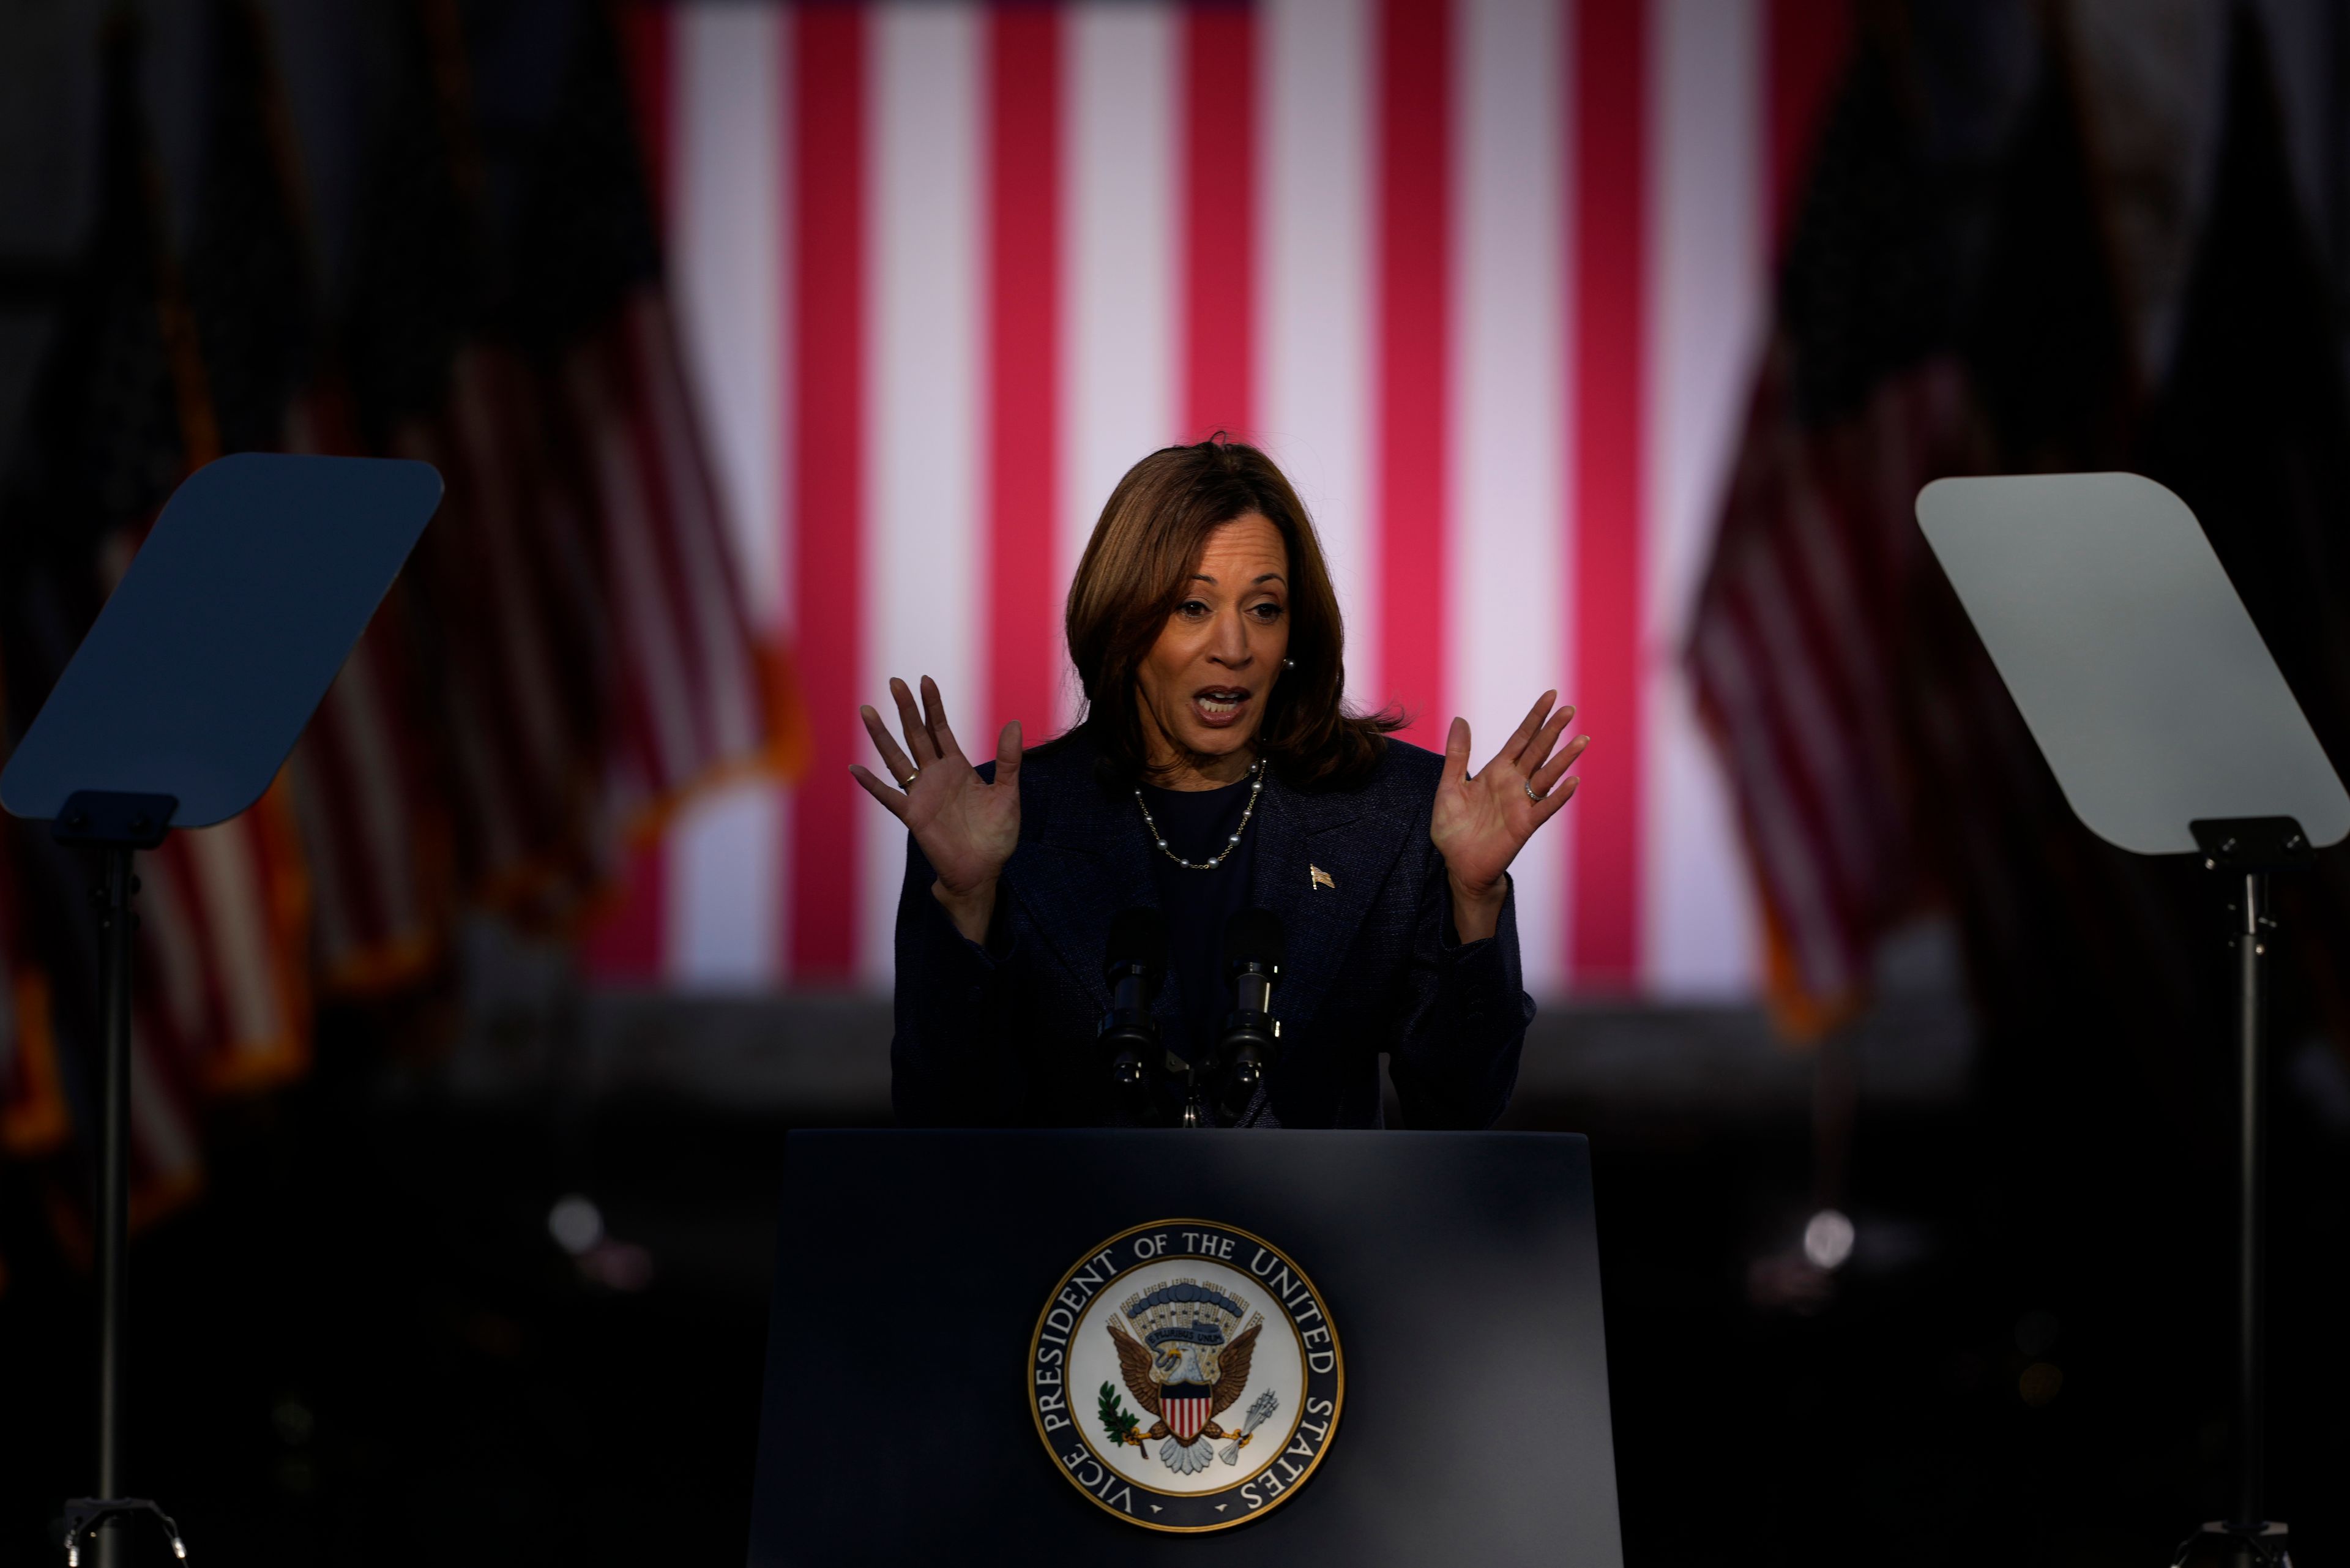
column 1289, row 664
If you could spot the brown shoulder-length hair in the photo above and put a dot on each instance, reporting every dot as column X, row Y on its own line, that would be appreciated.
column 1137, row 568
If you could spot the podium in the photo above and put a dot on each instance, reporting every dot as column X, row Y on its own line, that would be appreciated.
column 1312, row 1347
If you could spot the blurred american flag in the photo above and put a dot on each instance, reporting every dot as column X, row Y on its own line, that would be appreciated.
column 1488, row 277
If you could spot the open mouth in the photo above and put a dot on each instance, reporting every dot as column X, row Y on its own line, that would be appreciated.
column 1217, row 706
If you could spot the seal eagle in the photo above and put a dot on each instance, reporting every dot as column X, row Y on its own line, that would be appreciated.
column 1222, row 1373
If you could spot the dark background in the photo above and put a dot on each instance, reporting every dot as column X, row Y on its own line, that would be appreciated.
column 364, row 1346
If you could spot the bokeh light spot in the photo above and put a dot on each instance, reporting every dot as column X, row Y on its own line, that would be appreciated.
column 2041, row 1383
column 1827, row 1239
column 576, row 1223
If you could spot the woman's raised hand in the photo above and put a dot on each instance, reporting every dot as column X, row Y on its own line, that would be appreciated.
column 966, row 827
column 1482, row 821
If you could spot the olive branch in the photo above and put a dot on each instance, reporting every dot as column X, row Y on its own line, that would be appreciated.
column 1115, row 1420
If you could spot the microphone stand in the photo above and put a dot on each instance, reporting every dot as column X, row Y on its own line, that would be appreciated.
column 1252, row 947
column 1133, row 967
column 1228, row 1075
column 1250, row 1035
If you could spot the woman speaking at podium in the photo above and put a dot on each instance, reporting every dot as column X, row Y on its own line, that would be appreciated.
column 1216, row 769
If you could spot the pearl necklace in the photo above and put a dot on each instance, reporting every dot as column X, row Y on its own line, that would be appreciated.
column 1256, row 787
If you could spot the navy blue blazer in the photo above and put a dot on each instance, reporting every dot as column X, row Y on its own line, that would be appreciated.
column 1003, row 1033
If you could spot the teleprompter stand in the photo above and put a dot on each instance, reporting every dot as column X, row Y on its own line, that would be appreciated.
column 177, row 711
column 115, row 824
column 2110, row 618
column 2242, row 852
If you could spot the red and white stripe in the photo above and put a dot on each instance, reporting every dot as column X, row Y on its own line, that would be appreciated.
column 516, row 604
column 34, row 1118
column 374, row 836
column 225, row 949
column 223, row 960
column 1793, row 648
column 1187, row 1414
column 1487, row 276
column 687, row 673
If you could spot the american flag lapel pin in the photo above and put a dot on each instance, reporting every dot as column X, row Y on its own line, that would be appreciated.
column 1317, row 877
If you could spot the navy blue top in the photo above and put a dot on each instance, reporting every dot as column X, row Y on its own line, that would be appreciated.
column 1198, row 904
column 1001, row 1033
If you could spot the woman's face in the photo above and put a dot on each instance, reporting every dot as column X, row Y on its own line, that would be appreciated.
column 1204, row 682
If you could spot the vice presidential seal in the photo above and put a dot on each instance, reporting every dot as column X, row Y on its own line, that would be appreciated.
column 1185, row 1375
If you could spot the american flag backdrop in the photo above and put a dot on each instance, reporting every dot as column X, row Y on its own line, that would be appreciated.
column 1490, row 279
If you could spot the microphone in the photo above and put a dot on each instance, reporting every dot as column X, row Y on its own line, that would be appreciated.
column 1253, row 962
column 1134, row 963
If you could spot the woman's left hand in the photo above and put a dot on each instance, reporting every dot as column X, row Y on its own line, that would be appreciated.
column 1481, row 822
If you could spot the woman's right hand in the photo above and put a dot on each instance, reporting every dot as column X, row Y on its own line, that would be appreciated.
column 966, row 827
